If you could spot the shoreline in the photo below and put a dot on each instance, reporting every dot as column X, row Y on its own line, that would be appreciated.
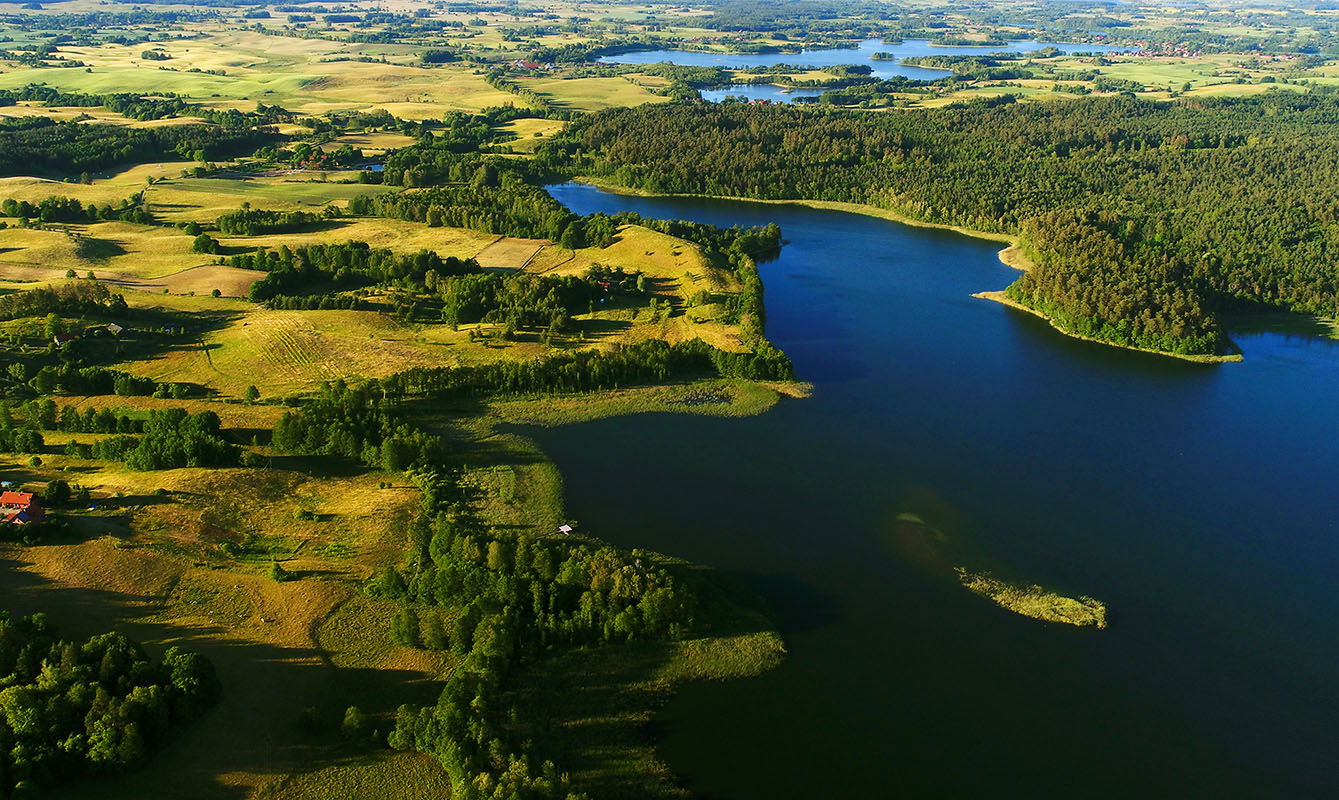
column 1011, row 255
column 821, row 205
column 1002, row 299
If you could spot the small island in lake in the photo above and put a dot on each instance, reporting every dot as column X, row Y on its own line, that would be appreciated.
column 1036, row 602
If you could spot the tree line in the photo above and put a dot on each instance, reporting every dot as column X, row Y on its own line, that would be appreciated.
column 141, row 107
column 344, row 265
column 63, row 148
column 45, row 415
column 67, row 209
column 650, row 361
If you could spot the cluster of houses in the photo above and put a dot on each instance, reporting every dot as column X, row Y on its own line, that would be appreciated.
column 530, row 65
column 19, row 508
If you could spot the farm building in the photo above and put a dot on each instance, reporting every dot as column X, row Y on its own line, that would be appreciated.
column 19, row 508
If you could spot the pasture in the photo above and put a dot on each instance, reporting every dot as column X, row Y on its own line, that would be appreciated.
column 291, row 654
column 295, row 73
column 591, row 94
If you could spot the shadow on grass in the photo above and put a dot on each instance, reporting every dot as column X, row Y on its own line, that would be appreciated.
column 593, row 710
column 600, row 328
column 260, row 727
column 319, row 466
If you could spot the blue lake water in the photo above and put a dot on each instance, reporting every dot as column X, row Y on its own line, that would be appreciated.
column 862, row 54
column 1198, row 502
column 758, row 91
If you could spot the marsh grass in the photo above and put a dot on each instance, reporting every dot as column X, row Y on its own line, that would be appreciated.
column 1034, row 601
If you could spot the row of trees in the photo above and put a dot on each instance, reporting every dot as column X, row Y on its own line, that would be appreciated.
column 259, row 221
column 148, row 107
column 45, row 146
column 46, row 415
column 172, row 438
column 67, row 209
column 72, row 379
column 342, row 266
column 71, row 709
column 650, row 361
column 1169, row 212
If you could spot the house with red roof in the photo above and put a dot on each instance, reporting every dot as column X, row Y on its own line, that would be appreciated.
column 19, row 508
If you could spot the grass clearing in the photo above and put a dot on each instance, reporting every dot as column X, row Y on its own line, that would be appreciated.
column 290, row 351
column 676, row 272
column 278, row 646
column 510, row 253
column 711, row 397
column 530, row 133
column 591, row 94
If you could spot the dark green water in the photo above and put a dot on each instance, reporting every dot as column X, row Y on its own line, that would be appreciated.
column 1199, row 502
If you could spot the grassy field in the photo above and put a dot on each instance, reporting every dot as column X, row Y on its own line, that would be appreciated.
column 294, row 73
column 151, row 564
column 676, row 271
column 284, row 352
column 530, row 133
column 591, row 94
column 714, row 397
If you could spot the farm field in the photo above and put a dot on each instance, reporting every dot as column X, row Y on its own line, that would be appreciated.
column 591, row 94
column 294, row 73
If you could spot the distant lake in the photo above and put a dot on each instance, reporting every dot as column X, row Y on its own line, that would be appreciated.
column 758, row 91
column 861, row 54
column 1199, row 502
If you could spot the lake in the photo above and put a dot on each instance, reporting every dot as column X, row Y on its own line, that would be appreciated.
column 861, row 54
column 1197, row 501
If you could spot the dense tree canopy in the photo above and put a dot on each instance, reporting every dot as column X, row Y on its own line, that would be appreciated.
column 71, row 147
column 69, row 709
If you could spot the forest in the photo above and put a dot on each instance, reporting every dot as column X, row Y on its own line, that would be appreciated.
column 1146, row 220
column 71, row 709
column 62, row 148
